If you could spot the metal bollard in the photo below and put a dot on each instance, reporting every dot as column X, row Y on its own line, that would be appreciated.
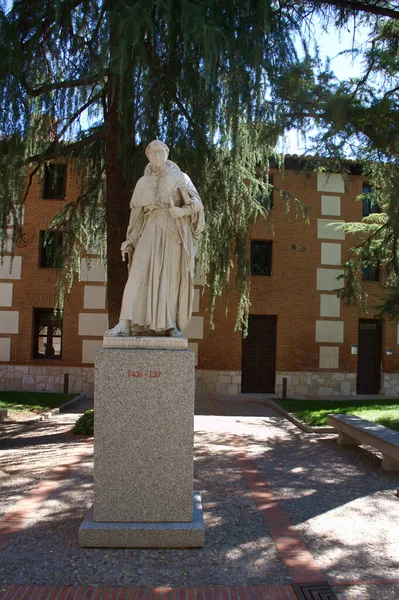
column 284, row 388
column 66, row 383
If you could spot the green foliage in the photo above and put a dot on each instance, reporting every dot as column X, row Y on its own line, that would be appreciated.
column 236, row 189
column 195, row 74
column 378, row 243
column 95, row 80
column 359, row 118
column 314, row 412
column 85, row 424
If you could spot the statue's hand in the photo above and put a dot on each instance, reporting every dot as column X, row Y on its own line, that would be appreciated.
column 125, row 248
column 177, row 213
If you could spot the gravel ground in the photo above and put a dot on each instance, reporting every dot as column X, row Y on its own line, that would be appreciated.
column 237, row 548
column 28, row 451
column 340, row 500
column 367, row 592
column 338, row 497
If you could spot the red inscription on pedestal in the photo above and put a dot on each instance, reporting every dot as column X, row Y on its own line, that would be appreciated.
column 139, row 373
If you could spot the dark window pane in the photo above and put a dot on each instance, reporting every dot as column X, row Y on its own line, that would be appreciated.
column 54, row 181
column 47, row 341
column 370, row 274
column 370, row 206
column 50, row 253
column 261, row 258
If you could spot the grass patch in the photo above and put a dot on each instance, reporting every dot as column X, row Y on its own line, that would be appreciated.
column 34, row 402
column 314, row 412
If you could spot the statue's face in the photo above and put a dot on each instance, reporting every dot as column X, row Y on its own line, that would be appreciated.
column 157, row 155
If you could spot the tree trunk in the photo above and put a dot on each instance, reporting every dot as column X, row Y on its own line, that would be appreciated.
column 118, row 197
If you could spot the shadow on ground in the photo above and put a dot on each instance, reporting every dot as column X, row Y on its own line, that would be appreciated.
column 338, row 498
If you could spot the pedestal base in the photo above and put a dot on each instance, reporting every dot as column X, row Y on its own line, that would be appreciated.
column 144, row 535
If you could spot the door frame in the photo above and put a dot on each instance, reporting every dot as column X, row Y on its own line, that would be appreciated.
column 274, row 317
column 379, row 323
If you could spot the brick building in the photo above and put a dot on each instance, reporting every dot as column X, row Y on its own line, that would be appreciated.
column 298, row 327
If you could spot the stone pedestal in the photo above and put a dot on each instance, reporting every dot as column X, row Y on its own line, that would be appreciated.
column 143, row 447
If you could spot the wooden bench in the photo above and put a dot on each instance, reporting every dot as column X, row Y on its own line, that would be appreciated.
column 354, row 431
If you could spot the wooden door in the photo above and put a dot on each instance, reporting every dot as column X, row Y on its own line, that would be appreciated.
column 259, row 355
column 369, row 357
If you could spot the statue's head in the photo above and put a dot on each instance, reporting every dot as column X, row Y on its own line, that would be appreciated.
column 157, row 152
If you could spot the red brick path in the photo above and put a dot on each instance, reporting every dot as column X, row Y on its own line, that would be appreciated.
column 32, row 592
column 293, row 552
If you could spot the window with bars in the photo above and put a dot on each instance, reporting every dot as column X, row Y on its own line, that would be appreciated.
column 47, row 342
column 261, row 257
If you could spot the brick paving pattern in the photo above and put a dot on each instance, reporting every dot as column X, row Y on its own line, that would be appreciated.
column 264, row 592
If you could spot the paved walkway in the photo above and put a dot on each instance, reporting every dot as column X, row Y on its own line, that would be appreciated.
column 288, row 515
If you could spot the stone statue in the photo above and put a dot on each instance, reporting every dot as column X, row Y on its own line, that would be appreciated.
column 166, row 222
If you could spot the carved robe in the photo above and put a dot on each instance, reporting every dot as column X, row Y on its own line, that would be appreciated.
column 159, row 292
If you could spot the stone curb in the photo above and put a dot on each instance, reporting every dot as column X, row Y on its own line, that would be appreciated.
column 59, row 409
column 294, row 419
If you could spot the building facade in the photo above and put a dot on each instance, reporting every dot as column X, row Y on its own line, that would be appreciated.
column 298, row 327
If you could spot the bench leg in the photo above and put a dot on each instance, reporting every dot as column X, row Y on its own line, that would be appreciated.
column 346, row 440
column 389, row 463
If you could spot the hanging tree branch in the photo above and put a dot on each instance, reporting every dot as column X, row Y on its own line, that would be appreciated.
column 61, row 85
column 79, row 112
column 374, row 9
column 56, row 150
column 190, row 120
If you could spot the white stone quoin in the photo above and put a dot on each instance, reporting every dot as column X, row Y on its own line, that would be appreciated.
column 329, row 357
column 330, row 229
column 9, row 321
column 92, row 323
column 5, row 349
column 11, row 270
column 330, row 305
column 89, row 348
column 327, row 279
column 330, row 254
column 94, row 296
column 194, row 347
column 196, row 301
column 199, row 275
column 330, row 182
column 330, row 331
column 6, row 290
column 92, row 269
column 195, row 329
column 331, row 205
